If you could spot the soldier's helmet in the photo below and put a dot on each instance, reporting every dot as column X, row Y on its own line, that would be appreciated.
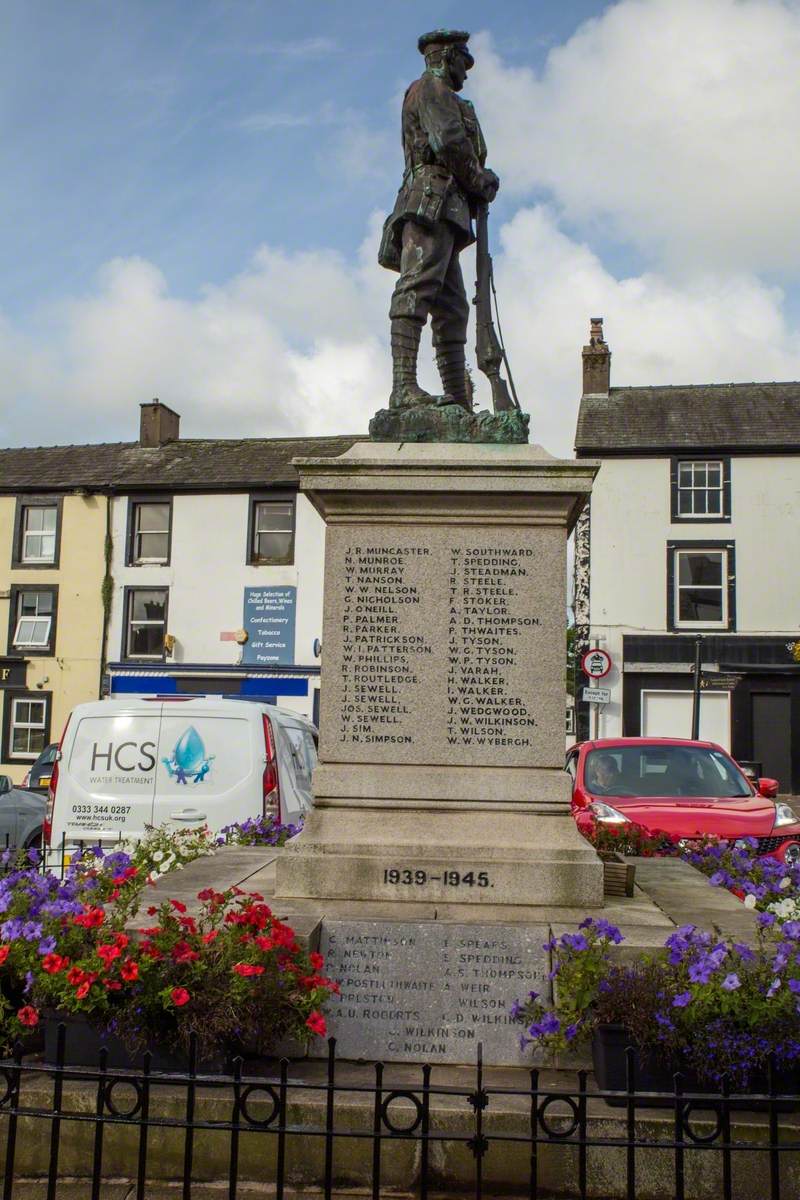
column 439, row 38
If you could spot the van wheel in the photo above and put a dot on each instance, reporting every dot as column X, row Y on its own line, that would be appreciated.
column 35, row 842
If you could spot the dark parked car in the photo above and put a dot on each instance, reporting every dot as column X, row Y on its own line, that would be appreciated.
column 38, row 778
column 21, row 815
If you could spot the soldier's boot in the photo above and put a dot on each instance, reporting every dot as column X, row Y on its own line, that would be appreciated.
column 406, row 392
column 451, row 361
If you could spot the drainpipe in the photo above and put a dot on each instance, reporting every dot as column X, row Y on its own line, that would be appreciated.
column 696, row 688
column 107, row 590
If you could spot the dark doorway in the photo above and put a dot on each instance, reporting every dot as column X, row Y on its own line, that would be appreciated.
column 772, row 735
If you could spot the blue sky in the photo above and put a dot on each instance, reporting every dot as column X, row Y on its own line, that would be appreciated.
column 193, row 192
column 188, row 131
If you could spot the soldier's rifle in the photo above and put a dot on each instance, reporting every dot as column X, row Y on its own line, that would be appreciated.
column 489, row 349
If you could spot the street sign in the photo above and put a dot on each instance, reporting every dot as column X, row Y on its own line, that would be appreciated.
column 596, row 664
column 596, row 695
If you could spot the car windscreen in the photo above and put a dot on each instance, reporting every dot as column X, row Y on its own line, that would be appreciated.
column 664, row 771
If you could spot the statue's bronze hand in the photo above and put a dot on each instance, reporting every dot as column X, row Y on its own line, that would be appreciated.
column 491, row 185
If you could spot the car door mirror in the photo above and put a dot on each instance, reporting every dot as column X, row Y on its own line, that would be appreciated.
column 5, row 784
column 768, row 788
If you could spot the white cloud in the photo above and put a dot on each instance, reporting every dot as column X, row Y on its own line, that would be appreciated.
column 298, row 343
column 672, row 122
column 710, row 329
column 311, row 47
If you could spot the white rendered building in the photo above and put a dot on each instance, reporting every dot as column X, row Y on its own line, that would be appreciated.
column 216, row 567
column 692, row 529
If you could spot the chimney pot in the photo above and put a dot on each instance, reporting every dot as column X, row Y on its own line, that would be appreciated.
column 596, row 361
column 158, row 424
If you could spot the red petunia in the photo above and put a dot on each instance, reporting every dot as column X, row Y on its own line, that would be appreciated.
column 92, row 918
column 112, row 985
column 108, row 953
column 122, row 940
column 4, row 953
column 247, row 969
column 180, row 996
column 182, row 952
column 211, row 936
column 316, row 1023
column 152, row 910
column 316, row 960
column 83, row 991
column 129, row 970
column 178, row 906
column 264, row 943
column 28, row 1016
column 53, row 963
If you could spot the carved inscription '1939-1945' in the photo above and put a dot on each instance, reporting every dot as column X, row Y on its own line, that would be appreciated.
column 439, row 640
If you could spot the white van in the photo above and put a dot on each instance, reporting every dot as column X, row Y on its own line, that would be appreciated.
column 126, row 764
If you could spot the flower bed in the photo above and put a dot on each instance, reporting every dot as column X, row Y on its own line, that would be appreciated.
column 232, row 976
column 763, row 883
column 709, row 1007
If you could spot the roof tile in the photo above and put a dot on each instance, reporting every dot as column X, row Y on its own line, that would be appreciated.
column 187, row 464
column 721, row 415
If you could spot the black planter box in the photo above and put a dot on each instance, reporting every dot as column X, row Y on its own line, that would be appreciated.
column 609, row 1044
column 83, row 1043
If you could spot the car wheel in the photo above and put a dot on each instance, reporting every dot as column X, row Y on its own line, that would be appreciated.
column 791, row 855
column 35, row 841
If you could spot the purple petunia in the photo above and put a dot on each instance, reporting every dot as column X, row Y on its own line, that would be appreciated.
column 681, row 1000
column 574, row 941
column 548, row 1024
column 731, row 982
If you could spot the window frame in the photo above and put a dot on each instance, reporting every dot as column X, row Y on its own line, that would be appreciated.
column 12, row 697
column 674, row 624
column 276, row 497
column 31, row 651
column 678, row 518
column 134, row 501
column 39, row 501
column 127, row 602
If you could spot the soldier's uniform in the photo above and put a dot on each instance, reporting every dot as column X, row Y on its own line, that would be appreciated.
column 431, row 223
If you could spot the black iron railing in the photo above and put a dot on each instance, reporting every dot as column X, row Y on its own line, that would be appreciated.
column 382, row 1127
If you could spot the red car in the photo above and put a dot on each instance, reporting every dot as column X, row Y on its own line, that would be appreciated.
column 683, row 788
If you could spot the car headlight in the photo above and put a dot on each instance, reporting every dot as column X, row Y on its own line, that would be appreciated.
column 785, row 815
column 604, row 812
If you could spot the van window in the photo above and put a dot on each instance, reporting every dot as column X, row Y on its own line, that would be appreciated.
column 304, row 756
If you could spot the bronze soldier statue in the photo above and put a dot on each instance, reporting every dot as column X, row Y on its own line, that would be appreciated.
column 444, row 183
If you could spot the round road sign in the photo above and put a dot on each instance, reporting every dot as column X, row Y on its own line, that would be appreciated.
column 596, row 664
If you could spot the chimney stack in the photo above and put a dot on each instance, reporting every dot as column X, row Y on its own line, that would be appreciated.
column 158, row 424
column 596, row 361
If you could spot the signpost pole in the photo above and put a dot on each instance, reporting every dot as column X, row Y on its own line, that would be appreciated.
column 696, row 688
column 596, row 683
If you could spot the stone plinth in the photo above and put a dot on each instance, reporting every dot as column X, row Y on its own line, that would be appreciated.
column 430, row 991
column 442, row 720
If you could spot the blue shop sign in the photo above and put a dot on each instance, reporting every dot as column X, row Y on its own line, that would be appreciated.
column 269, row 618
